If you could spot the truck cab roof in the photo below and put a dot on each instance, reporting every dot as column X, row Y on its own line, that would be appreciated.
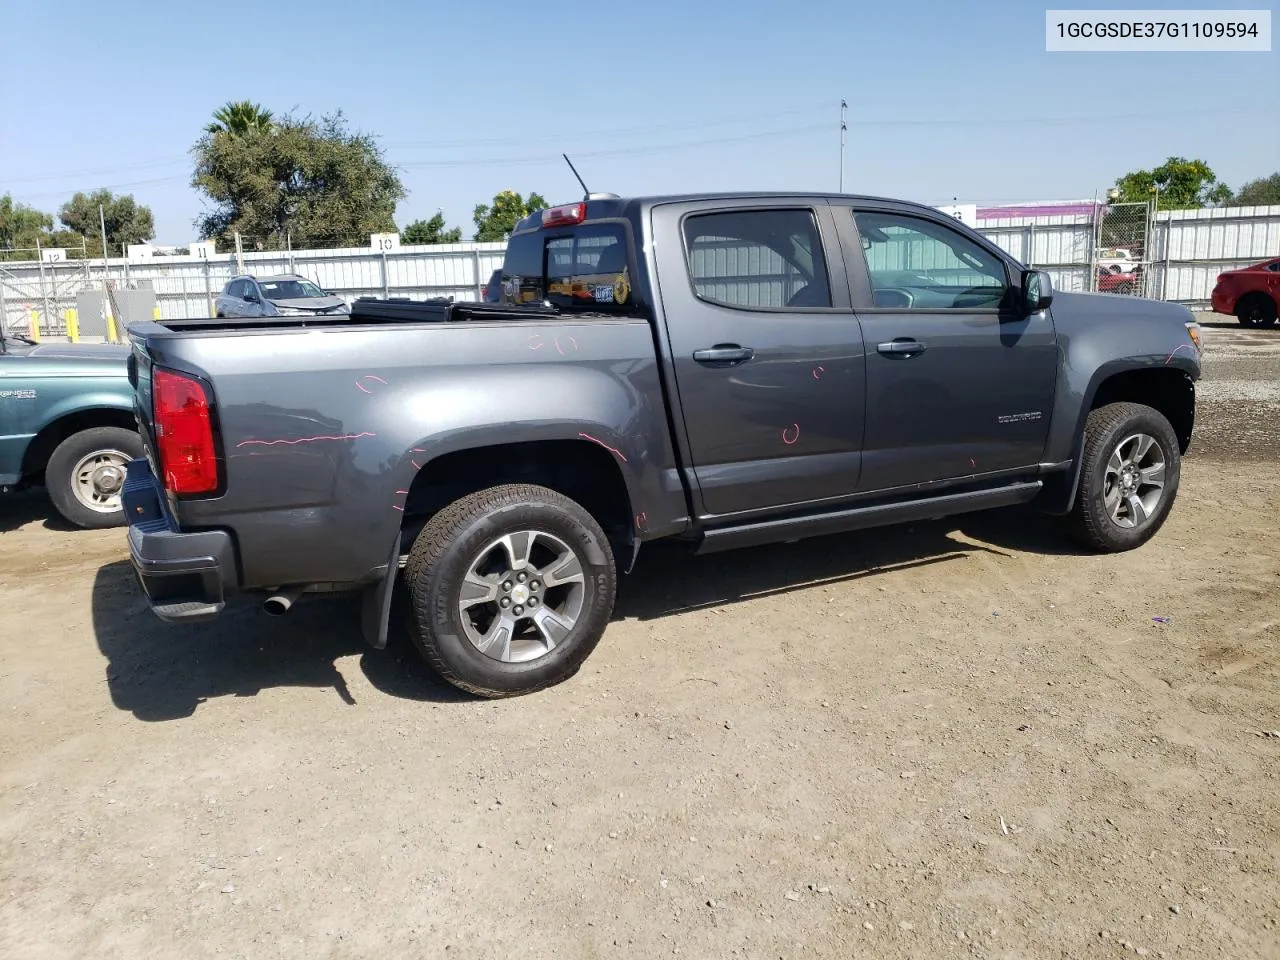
column 608, row 206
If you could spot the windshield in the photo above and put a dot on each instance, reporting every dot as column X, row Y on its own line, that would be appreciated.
column 289, row 289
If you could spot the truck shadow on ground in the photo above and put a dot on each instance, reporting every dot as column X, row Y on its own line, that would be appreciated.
column 30, row 506
column 160, row 671
column 670, row 580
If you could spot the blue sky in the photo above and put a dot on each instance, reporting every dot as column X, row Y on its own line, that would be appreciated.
column 946, row 99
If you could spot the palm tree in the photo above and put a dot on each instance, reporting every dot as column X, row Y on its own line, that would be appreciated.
column 240, row 117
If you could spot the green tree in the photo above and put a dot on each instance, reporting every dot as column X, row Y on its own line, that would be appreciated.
column 1182, row 184
column 313, row 180
column 430, row 231
column 21, row 227
column 1262, row 192
column 126, row 221
column 494, row 222
column 238, row 118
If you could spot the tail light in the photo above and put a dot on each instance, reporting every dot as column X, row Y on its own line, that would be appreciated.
column 184, row 434
column 561, row 216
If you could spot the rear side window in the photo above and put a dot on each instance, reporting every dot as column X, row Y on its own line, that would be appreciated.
column 757, row 259
column 235, row 289
column 580, row 268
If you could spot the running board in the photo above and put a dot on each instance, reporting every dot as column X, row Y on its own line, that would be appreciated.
column 859, row 518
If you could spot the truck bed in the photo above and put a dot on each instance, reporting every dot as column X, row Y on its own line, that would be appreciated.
column 324, row 424
column 369, row 310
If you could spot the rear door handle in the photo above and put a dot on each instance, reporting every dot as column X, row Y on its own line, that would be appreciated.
column 902, row 347
column 723, row 354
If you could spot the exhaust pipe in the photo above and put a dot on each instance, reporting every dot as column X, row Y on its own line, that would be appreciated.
column 278, row 603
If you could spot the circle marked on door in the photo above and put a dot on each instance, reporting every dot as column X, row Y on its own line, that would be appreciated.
column 791, row 434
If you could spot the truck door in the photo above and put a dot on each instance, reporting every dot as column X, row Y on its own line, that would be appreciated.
column 960, row 380
column 766, row 352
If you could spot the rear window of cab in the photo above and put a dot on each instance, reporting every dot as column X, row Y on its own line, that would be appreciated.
column 585, row 267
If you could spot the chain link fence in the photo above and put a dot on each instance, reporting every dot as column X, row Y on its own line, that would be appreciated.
column 1121, row 249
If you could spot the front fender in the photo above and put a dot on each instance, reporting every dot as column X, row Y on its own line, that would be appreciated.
column 1100, row 335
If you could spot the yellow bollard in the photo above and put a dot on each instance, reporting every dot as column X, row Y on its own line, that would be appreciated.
column 155, row 314
column 111, row 328
column 73, row 325
column 35, row 326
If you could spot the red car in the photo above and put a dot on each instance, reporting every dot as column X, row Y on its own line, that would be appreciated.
column 1250, row 293
column 1110, row 281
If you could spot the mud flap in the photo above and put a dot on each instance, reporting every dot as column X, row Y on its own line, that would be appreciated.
column 375, row 603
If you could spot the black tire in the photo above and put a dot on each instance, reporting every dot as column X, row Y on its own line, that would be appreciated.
column 1090, row 521
column 60, row 474
column 1256, row 310
column 455, row 539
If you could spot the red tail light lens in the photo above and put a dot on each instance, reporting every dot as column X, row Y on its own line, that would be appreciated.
column 562, row 216
column 184, row 434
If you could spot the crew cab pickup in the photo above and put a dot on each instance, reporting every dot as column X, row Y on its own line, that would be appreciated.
column 727, row 369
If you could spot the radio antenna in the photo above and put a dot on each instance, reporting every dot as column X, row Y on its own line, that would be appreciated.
column 586, row 194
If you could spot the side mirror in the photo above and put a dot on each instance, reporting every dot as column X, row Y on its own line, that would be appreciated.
column 251, row 298
column 1037, row 290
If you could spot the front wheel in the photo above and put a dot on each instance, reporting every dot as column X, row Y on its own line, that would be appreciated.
column 511, row 589
column 85, row 475
column 1128, row 477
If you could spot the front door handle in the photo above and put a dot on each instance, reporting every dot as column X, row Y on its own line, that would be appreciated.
column 723, row 354
column 902, row 347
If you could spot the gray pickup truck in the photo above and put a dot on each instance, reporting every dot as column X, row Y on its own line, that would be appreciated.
column 726, row 369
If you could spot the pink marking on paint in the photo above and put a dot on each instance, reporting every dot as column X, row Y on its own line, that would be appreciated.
column 794, row 430
column 618, row 453
column 641, row 519
column 1181, row 346
column 272, row 443
column 570, row 338
column 972, row 464
column 370, row 376
column 418, row 450
column 394, row 507
column 402, row 491
column 360, row 386
column 559, row 349
column 416, row 464
column 818, row 371
column 535, row 346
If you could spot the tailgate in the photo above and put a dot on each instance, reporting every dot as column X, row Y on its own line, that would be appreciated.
column 139, row 368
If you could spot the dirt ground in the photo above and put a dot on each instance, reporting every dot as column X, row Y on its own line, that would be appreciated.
column 959, row 739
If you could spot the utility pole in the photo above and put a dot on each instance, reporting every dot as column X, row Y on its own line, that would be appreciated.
column 108, row 301
column 844, row 127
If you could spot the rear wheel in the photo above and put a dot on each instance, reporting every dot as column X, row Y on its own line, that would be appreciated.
column 85, row 475
column 511, row 589
column 1256, row 310
column 1128, row 477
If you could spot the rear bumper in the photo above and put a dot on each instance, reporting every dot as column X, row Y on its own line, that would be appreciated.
column 187, row 577
column 1222, row 303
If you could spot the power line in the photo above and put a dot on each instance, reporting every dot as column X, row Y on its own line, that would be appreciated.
column 649, row 149
column 614, row 131
column 619, row 152
column 102, row 171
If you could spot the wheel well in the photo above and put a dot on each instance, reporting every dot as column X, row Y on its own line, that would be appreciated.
column 1252, row 295
column 1171, row 392
column 42, row 445
column 580, row 470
